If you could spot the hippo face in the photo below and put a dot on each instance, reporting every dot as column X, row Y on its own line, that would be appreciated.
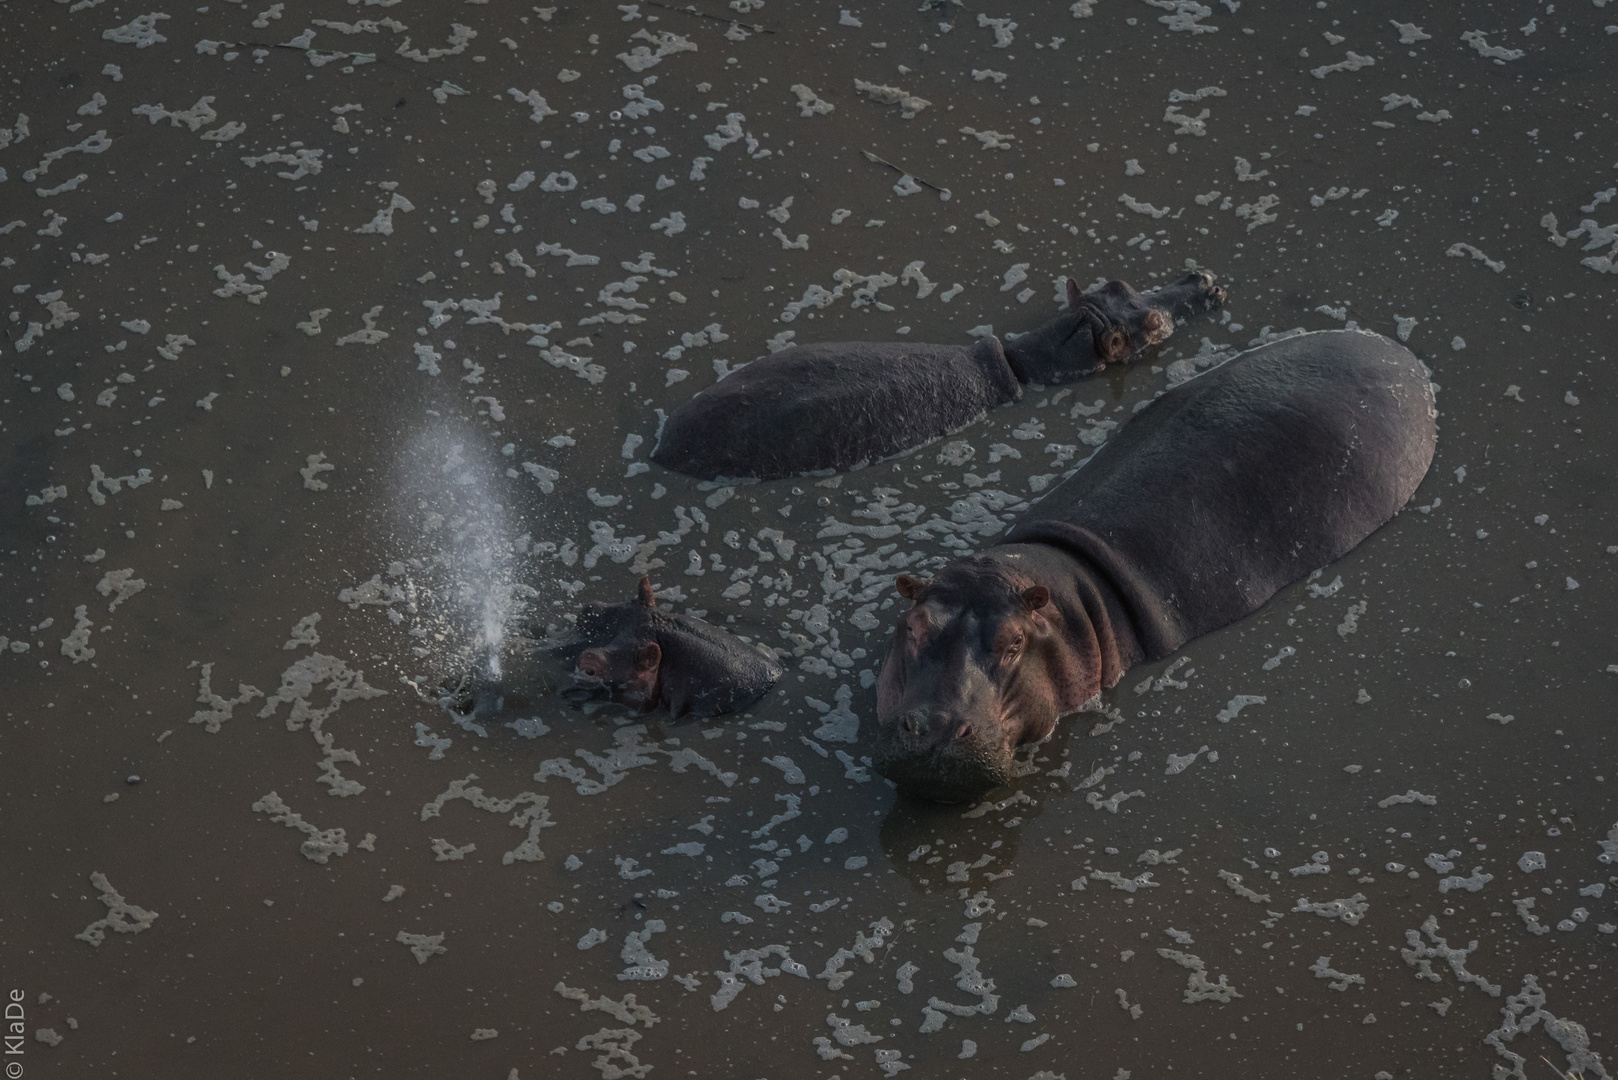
column 1107, row 325
column 618, row 654
column 1076, row 342
column 640, row 655
column 965, row 682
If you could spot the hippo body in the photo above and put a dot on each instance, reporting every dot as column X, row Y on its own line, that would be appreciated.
column 1220, row 493
column 793, row 413
column 839, row 405
column 644, row 657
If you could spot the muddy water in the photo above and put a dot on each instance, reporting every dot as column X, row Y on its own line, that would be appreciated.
column 485, row 480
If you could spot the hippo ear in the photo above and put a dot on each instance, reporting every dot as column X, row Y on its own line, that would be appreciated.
column 1110, row 344
column 644, row 596
column 1073, row 293
column 1035, row 598
column 909, row 587
column 650, row 656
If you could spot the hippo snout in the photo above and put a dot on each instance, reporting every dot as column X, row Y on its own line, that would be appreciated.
column 472, row 695
column 939, row 758
column 1191, row 294
column 926, row 729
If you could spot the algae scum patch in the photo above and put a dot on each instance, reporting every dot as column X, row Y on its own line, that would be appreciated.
column 338, row 342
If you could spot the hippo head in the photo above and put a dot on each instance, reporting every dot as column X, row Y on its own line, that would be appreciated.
column 1081, row 340
column 967, row 680
column 1107, row 325
column 618, row 654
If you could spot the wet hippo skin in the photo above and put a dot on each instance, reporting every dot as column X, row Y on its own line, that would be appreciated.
column 1216, row 496
column 839, row 405
column 644, row 657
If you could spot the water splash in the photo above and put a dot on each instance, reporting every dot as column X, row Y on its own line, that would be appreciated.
column 466, row 559
column 480, row 556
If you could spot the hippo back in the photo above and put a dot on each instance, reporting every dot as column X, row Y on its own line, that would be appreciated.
column 833, row 406
column 708, row 671
column 1233, row 485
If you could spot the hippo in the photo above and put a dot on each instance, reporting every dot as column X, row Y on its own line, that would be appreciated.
column 840, row 405
column 638, row 655
column 1218, row 494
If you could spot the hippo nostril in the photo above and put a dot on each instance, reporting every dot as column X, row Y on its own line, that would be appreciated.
column 912, row 725
column 592, row 664
column 963, row 730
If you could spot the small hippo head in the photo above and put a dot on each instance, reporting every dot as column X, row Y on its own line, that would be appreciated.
column 1107, row 325
column 1082, row 339
column 618, row 653
column 967, row 680
column 643, row 656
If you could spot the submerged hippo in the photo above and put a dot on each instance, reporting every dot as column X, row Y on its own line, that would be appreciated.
column 843, row 404
column 1220, row 493
column 644, row 657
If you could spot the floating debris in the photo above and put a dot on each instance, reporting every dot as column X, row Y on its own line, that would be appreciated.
column 1340, row 981
column 1197, row 987
column 1349, row 910
column 122, row 917
column 1411, row 796
column 1420, row 955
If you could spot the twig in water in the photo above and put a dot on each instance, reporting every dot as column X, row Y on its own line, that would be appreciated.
column 943, row 192
column 1559, row 1072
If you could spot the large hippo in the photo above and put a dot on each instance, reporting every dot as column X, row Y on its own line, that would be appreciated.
column 842, row 404
column 644, row 657
column 1217, row 495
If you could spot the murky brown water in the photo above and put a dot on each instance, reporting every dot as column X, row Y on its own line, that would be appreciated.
column 1494, row 598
